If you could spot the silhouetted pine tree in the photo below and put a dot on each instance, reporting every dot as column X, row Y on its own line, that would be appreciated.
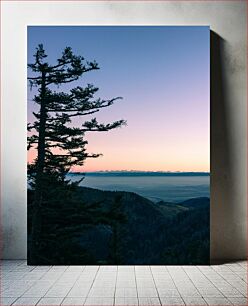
column 60, row 145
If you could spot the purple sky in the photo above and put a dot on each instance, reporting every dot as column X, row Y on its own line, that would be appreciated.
column 162, row 73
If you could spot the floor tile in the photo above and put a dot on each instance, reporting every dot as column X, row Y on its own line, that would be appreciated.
column 164, row 292
column 230, row 291
column 73, row 301
column 194, row 301
column 126, row 292
column 147, row 292
column 26, row 301
column 239, row 301
column 166, row 301
column 149, row 301
column 143, row 282
column 50, row 301
column 126, row 269
column 102, row 292
column 79, row 290
column 210, row 292
column 58, row 291
column 120, row 301
column 38, row 290
column 75, row 268
column 99, row 301
column 193, row 292
column 7, row 301
column 217, row 301
column 125, row 283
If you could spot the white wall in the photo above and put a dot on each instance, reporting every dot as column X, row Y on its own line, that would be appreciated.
column 228, row 144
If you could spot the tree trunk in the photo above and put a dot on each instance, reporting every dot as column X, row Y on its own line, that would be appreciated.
column 39, row 181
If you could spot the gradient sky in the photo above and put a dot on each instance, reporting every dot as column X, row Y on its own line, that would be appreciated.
column 162, row 73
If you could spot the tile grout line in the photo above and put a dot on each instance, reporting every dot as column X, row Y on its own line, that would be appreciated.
column 193, row 285
column 87, row 295
column 116, row 283
column 237, row 273
column 39, row 298
column 212, row 284
column 155, row 286
column 14, row 301
column 41, row 279
column 176, row 286
column 204, row 298
column 35, row 284
column 230, row 283
column 72, row 285
column 28, row 287
column 136, row 284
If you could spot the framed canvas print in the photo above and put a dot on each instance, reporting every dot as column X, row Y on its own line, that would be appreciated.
column 118, row 145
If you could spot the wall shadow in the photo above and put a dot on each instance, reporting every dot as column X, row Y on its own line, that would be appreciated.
column 223, row 230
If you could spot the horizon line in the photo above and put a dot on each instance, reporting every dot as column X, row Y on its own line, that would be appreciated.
column 137, row 171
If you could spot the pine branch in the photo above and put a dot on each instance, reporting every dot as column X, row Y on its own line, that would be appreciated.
column 72, row 115
column 94, row 126
column 34, row 78
column 98, row 104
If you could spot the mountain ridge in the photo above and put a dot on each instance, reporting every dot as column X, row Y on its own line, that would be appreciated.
column 144, row 237
column 118, row 227
column 139, row 173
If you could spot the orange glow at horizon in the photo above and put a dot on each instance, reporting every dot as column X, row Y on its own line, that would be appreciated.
column 184, row 151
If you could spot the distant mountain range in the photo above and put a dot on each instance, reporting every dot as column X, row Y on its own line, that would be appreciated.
column 139, row 173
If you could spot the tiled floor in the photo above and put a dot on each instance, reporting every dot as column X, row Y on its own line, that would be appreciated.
column 123, row 285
